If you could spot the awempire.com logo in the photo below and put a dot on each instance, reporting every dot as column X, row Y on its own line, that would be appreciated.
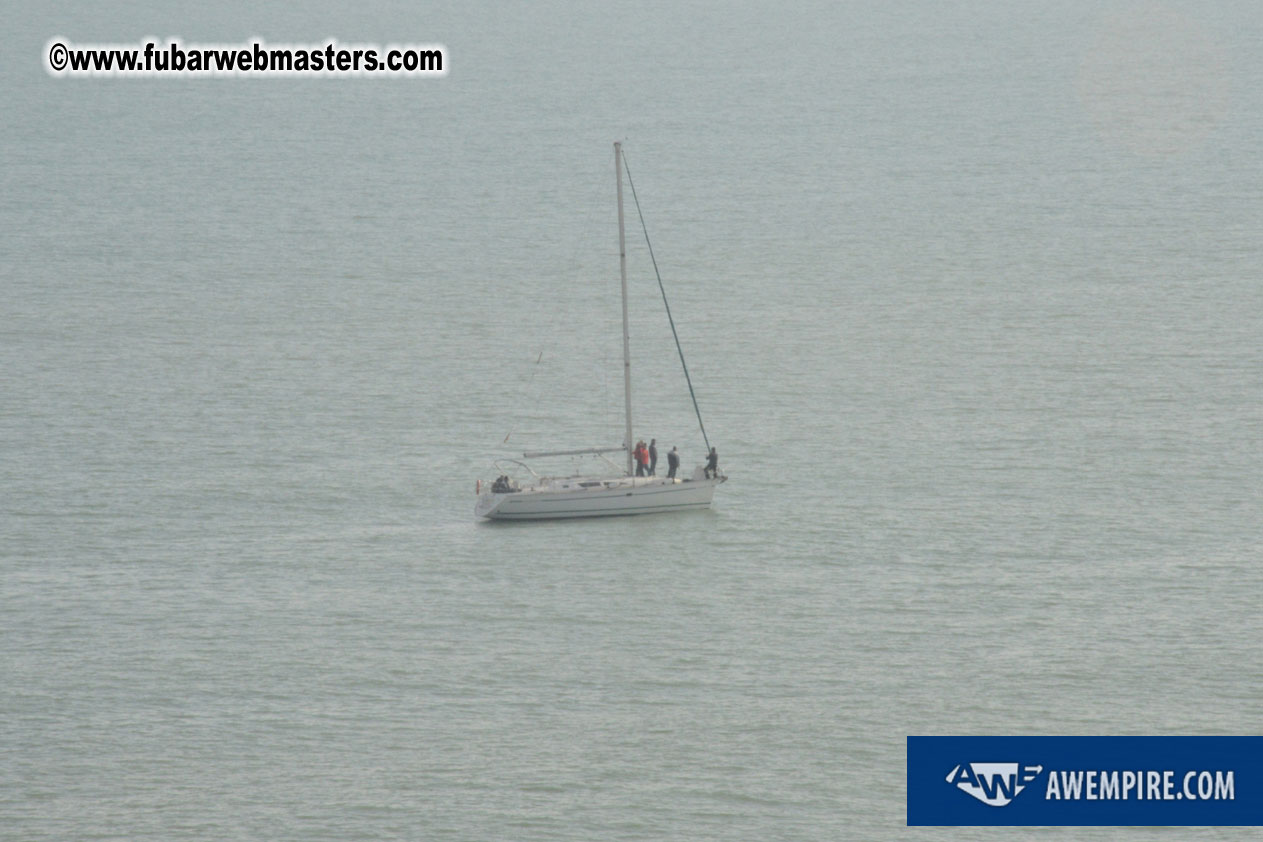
column 1085, row 781
column 993, row 783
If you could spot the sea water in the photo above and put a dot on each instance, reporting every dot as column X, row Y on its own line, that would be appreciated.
column 970, row 298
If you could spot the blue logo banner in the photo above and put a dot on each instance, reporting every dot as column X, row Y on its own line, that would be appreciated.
column 1085, row 781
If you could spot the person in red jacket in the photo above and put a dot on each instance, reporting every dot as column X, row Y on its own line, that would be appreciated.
column 642, row 458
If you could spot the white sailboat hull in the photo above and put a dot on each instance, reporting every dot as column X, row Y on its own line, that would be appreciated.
column 599, row 498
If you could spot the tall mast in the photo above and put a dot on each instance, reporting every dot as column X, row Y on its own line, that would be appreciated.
column 622, row 272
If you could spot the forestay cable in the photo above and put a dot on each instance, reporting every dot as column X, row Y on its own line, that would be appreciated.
column 663, row 290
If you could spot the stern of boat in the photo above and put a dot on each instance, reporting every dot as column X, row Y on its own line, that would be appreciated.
column 487, row 504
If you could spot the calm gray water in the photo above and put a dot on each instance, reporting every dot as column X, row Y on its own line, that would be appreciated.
column 971, row 296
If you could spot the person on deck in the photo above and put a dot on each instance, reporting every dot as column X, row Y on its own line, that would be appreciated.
column 712, row 464
column 642, row 456
column 673, row 462
column 653, row 456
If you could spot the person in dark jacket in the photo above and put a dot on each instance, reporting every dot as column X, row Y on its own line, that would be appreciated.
column 673, row 462
column 712, row 464
column 653, row 456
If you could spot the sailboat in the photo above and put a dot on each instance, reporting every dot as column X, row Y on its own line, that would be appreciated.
column 617, row 493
